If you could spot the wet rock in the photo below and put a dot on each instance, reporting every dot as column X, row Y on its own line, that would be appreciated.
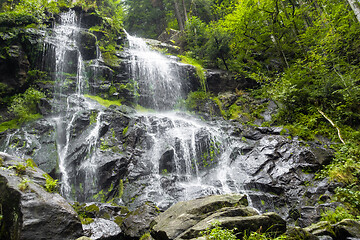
column 268, row 222
column 13, row 68
column 222, row 81
column 184, row 215
column 87, row 45
column 102, row 229
column 322, row 228
column 299, row 233
column 347, row 228
column 89, row 19
column 28, row 210
column 44, row 107
column 166, row 164
column 138, row 222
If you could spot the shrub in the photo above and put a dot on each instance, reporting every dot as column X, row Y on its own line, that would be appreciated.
column 196, row 100
column 334, row 216
column 219, row 233
column 24, row 106
column 24, row 185
column 51, row 185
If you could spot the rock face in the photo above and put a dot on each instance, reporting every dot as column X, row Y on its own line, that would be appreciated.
column 222, row 81
column 186, row 220
column 30, row 212
column 346, row 229
column 138, row 222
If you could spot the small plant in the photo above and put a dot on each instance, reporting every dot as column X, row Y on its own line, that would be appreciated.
column 334, row 216
column 146, row 236
column 30, row 163
column 24, row 184
column 51, row 185
column 219, row 233
column 125, row 130
column 20, row 169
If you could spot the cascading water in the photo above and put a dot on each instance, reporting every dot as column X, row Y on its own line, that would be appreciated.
column 158, row 79
column 81, row 170
column 180, row 148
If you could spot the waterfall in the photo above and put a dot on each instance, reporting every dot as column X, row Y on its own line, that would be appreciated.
column 77, row 166
column 158, row 78
column 181, row 149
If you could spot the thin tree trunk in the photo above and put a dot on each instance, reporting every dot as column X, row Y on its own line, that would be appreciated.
column 355, row 6
column 185, row 12
column 178, row 16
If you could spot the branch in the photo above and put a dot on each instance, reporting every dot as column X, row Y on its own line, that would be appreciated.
column 333, row 124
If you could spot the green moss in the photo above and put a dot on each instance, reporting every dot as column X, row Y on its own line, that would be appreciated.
column 86, row 221
column 200, row 71
column 139, row 108
column 93, row 117
column 12, row 124
column 196, row 100
column 92, row 208
column 125, row 130
column 145, row 236
column 121, row 188
column 51, row 185
column 119, row 220
column 104, row 102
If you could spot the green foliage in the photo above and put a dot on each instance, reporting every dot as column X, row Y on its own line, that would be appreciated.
column 9, row 125
column 196, row 99
column 51, row 185
column 24, row 106
column 219, row 233
column 339, row 214
column 12, row 19
column 84, row 215
column 1, row 161
column 24, row 184
column 145, row 236
column 20, row 168
column 104, row 102
column 200, row 71
column 125, row 130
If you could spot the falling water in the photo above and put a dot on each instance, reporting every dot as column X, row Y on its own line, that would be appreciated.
column 183, row 149
column 70, row 71
column 158, row 77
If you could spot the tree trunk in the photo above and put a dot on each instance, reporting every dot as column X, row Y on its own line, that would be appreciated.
column 185, row 12
column 355, row 6
column 178, row 16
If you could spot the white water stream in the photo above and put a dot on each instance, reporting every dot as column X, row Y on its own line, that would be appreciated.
column 64, row 39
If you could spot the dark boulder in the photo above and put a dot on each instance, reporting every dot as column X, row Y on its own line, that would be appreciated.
column 30, row 212
column 138, row 222
column 223, row 81
column 87, row 45
column 184, row 215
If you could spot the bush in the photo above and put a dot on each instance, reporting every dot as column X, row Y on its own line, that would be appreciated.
column 24, row 106
column 219, row 233
column 51, row 185
column 13, row 19
column 334, row 216
column 196, row 99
